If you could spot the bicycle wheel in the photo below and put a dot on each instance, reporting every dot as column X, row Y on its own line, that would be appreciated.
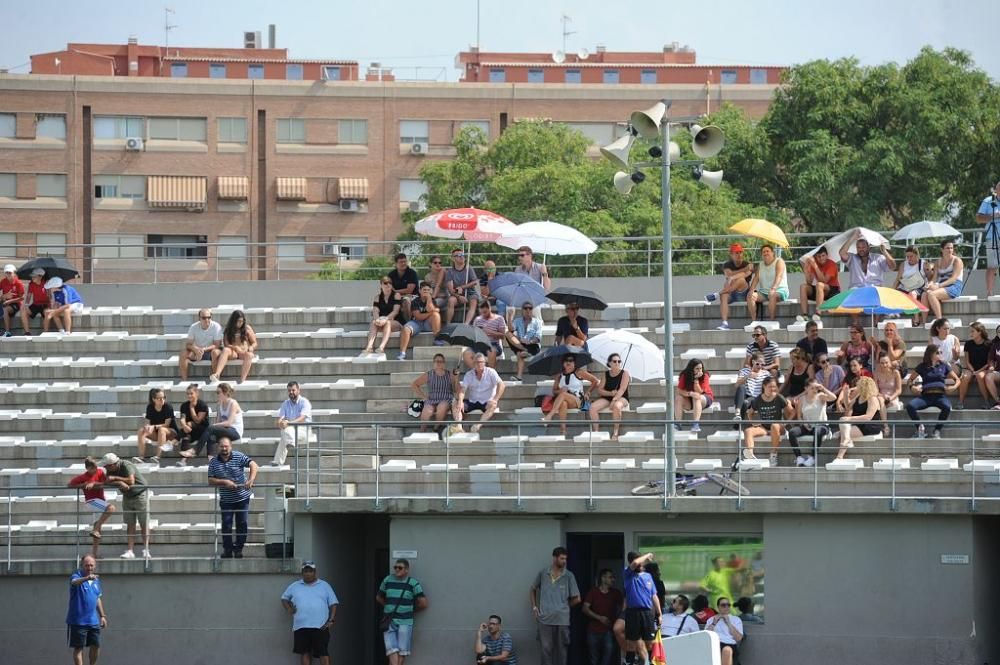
column 728, row 484
column 652, row 488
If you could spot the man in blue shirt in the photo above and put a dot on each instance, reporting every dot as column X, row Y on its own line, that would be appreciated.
column 493, row 645
column 64, row 303
column 225, row 471
column 313, row 604
column 642, row 608
column 85, row 617
column 296, row 410
column 989, row 214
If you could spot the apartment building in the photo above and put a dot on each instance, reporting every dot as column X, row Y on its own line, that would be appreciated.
column 254, row 179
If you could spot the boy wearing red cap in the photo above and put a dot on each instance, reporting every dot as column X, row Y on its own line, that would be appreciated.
column 738, row 272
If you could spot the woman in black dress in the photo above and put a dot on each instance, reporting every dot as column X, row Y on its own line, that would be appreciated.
column 386, row 315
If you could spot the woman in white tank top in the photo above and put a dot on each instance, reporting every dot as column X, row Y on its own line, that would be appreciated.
column 947, row 281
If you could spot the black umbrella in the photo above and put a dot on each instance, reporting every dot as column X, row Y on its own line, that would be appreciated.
column 565, row 295
column 461, row 334
column 549, row 362
column 53, row 266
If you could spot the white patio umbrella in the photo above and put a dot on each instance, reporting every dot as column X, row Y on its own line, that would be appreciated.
column 547, row 238
column 926, row 229
column 642, row 358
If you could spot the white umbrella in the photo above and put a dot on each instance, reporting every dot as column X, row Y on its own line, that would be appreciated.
column 926, row 229
column 834, row 244
column 547, row 238
column 642, row 358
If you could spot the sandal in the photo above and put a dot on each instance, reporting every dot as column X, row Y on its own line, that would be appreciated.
column 95, row 534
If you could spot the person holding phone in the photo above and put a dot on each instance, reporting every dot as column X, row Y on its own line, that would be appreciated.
column 492, row 644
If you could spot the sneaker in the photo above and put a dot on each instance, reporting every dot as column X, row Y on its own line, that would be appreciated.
column 128, row 554
column 773, row 459
column 920, row 433
column 817, row 318
column 711, row 297
column 737, row 418
column 7, row 333
column 695, row 427
column 747, row 453
column 996, row 407
column 517, row 379
column 213, row 378
column 724, row 326
column 138, row 460
column 958, row 406
column 808, row 461
column 183, row 462
column 936, row 435
column 226, row 555
column 801, row 318
column 677, row 427
column 439, row 342
column 146, row 555
column 800, row 460
column 401, row 356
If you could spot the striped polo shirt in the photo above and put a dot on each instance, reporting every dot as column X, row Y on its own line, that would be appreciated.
column 754, row 383
column 232, row 469
column 400, row 597
column 771, row 352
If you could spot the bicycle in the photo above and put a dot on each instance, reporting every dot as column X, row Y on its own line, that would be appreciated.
column 687, row 485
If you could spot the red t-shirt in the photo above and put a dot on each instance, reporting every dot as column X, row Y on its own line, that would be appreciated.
column 706, row 387
column 830, row 270
column 704, row 615
column 97, row 491
column 39, row 296
column 606, row 604
column 14, row 286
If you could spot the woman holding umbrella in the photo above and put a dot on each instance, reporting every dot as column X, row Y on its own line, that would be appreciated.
column 613, row 394
column 569, row 391
column 946, row 283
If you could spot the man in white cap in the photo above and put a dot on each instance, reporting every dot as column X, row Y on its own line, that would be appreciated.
column 64, row 302
column 36, row 301
column 11, row 296
column 313, row 605
column 135, row 499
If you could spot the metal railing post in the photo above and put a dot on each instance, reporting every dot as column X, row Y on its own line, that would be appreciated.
column 378, row 466
column 447, row 469
column 590, row 469
column 739, row 472
column 972, row 502
column 308, row 475
column 649, row 257
column 520, row 449
column 217, row 529
column 667, row 489
column 284, row 527
column 892, row 503
column 341, row 488
column 10, row 528
column 77, row 524
column 815, row 501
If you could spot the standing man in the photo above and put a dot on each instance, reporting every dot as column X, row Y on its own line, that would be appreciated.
column 204, row 342
column 480, row 390
column 716, row 581
column 553, row 592
column 225, row 471
column 738, row 273
column 404, row 282
column 601, row 606
column 989, row 214
column 11, row 297
column 86, row 616
column 401, row 597
column 492, row 645
column 295, row 410
column 135, row 500
column 642, row 608
column 313, row 606
column 536, row 271
column 865, row 269
column 462, row 286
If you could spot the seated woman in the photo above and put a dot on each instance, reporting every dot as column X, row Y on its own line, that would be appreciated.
column 946, row 282
column 612, row 394
column 948, row 344
column 857, row 346
column 911, row 278
column 993, row 374
column 770, row 283
column 810, row 408
column 159, row 425
column 228, row 423
column 568, row 390
column 894, row 346
column 729, row 628
column 934, row 373
column 890, row 384
column 435, row 277
column 767, row 409
column 977, row 365
column 829, row 374
column 194, row 417
column 854, row 372
column 387, row 315
column 799, row 375
column 440, row 392
column 238, row 341
column 863, row 406
column 694, row 393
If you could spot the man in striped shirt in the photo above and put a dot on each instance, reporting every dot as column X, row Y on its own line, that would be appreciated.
column 495, row 327
column 401, row 597
column 226, row 472
column 769, row 348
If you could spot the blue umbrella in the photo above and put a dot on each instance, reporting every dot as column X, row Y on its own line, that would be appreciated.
column 516, row 288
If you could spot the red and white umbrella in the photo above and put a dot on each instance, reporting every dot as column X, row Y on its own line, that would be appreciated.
column 470, row 224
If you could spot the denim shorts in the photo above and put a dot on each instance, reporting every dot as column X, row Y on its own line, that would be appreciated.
column 398, row 639
column 955, row 290
column 417, row 327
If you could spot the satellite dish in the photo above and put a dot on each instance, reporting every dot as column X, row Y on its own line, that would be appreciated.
column 558, row 57
column 583, row 54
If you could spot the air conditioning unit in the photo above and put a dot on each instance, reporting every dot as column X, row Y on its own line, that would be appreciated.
column 419, row 148
column 416, row 206
column 134, row 144
column 332, row 249
column 349, row 205
column 251, row 39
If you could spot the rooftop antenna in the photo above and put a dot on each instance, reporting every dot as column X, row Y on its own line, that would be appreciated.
column 167, row 27
column 566, row 20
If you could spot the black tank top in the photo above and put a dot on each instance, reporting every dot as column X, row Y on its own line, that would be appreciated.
column 797, row 382
column 613, row 383
column 867, row 427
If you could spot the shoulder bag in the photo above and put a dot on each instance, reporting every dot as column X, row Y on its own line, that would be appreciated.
column 385, row 623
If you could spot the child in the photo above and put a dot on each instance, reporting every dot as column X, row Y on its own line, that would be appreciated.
column 92, row 481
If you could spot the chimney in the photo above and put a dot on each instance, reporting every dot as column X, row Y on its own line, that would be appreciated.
column 132, row 39
column 132, row 55
column 270, row 35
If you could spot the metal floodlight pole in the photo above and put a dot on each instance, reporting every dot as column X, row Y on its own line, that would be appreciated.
column 668, row 314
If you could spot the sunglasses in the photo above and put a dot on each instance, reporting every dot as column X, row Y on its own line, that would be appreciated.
column 435, row 263
column 460, row 255
column 824, row 362
column 527, row 309
column 756, row 335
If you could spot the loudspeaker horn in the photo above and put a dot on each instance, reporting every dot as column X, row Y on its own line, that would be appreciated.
column 624, row 182
column 647, row 122
column 711, row 179
column 618, row 152
column 707, row 141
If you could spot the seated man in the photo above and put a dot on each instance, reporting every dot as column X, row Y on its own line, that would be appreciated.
column 812, row 343
column 526, row 337
column 462, row 286
column 768, row 348
column 36, row 301
column 294, row 410
column 736, row 287
column 492, row 644
column 404, row 282
column 11, row 297
column 572, row 329
column 495, row 328
column 65, row 302
column 204, row 342
column 821, row 281
column 424, row 317
column 479, row 390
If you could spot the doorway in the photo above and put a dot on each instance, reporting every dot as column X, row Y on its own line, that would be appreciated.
column 588, row 554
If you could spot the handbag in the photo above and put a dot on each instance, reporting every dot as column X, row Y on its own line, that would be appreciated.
column 385, row 622
column 547, row 402
column 915, row 280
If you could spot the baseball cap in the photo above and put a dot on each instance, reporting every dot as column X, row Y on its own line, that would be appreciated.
column 736, row 247
column 38, row 272
column 54, row 283
column 9, row 268
column 309, row 564
column 108, row 460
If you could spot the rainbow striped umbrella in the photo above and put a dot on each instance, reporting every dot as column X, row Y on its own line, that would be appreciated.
column 874, row 300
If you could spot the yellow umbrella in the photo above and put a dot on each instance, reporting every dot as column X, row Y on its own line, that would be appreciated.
column 763, row 229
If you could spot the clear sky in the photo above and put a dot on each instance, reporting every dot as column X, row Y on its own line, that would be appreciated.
column 420, row 38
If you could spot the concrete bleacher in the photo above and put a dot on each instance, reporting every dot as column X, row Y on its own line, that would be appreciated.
column 68, row 396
